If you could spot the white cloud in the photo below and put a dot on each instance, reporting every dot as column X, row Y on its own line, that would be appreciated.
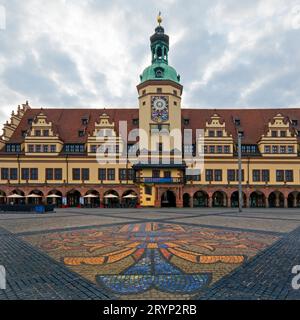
column 90, row 53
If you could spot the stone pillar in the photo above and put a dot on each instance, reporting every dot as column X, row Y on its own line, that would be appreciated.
column 228, row 202
column 285, row 202
column 266, row 202
column 247, row 204
column 295, row 201
column 210, row 201
column 277, row 200
column 191, row 202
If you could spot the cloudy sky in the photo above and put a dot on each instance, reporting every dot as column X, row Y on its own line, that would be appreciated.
column 90, row 53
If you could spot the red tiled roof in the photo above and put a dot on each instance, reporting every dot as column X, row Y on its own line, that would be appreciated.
column 67, row 122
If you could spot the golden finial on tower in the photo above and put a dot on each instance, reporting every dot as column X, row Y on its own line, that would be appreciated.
column 159, row 18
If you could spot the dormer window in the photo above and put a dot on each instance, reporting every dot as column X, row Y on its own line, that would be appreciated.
column 29, row 121
column 294, row 122
column 237, row 122
column 24, row 132
column 37, row 133
column 282, row 133
column 159, row 73
column 274, row 134
column 186, row 122
column 84, row 121
column 219, row 133
column 211, row 133
column 80, row 133
column 241, row 134
column 46, row 133
column 135, row 122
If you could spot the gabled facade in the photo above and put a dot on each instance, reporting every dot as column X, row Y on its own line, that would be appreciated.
column 72, row 153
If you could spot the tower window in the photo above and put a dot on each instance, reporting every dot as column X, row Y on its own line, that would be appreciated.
column 159, row 90
column 175, row 92
column 143, row 92
column 175, row 103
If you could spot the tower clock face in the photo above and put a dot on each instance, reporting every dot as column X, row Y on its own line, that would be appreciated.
column 159, row 109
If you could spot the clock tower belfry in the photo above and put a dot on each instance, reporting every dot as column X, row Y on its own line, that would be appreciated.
column 160, row 125
column 159, row 90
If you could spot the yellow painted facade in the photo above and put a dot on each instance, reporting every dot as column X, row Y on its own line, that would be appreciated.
column 37, row 158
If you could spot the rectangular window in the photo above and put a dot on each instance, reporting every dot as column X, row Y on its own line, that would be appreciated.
column 93, row 148
column 155, row 174
column 282, row 149
column 31, row 148
column 219, row 149
column 76, row 174
column 148, row 190
column 218, row 175
column 45, row 148
column 102, row 174
column 226, row 149
column 265, row 175
column 231, row 175
column 219, row 133
column 37, row 133
column 85, row 173
column 58, row 174
column 46, row 133
column 167, row 174
column 267, row 149
column 25, row 174
column 256, row 175
column 34, row 174
column 49, row 174
column 274, row 134
column 282, row 133
column 209, row 175
column 13, row 172
column 4, row 173
column 53, row 148
column 275, row 149
column 38, row 148
column 289, row 175
column 290, row 149
column 211, row 149
column 279, row 175
column 111, row 174
column 211, row 133
column 122, row 174
column 130, row 174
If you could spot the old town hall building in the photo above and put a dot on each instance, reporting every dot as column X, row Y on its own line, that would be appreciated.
column 50, row 155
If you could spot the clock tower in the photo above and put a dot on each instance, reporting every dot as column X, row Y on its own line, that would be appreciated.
column 159, row 114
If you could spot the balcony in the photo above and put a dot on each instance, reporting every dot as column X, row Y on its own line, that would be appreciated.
column 160, row 180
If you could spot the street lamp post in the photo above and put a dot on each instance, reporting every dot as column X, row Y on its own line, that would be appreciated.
column 240, row 171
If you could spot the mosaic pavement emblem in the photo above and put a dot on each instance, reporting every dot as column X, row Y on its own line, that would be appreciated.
column 169, row 258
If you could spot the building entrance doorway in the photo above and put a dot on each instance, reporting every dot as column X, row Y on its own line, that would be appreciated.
column 168, row 200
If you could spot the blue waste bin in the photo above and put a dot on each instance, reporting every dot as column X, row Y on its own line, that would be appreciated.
column 40, row 209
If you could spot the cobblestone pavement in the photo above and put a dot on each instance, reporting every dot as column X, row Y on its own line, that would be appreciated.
column 150, row 254
column 267, row 276
column 32, row 275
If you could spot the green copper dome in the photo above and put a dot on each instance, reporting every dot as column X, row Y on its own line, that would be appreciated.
column 159, row 69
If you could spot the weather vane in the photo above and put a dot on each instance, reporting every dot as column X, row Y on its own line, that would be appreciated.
column 159, row 18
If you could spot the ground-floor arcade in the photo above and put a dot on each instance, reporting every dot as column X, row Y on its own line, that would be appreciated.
column 112, row 196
